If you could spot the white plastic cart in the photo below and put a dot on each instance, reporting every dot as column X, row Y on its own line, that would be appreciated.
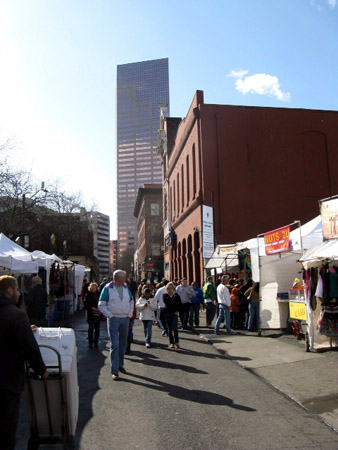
column 52, row 405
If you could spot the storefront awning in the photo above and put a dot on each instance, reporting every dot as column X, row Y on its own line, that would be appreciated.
column 224, row 256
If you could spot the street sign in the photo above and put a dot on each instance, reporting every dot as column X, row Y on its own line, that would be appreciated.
column 149, row 265
column 207, row 231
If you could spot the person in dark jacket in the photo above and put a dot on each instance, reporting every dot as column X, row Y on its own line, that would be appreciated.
column 172, row 304
column 17, row 345
column 195, row 304
column 94, row 315
column 36, row 302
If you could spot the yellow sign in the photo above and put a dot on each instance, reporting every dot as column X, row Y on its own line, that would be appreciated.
column 297, row 310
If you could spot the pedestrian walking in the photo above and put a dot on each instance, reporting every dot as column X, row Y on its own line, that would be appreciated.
column 172, row 303
column 161, row 306
column 36, row 302
column 116, row 304
column 244, row 310
column 235, row 309
column 210, row 300
column 132, row 285
column 146, row 305
column 94, row 315
column 252, row 294
column 224, row 302
column 130, row 339
column 17, row 345
column 186, row 292
column 195, row 304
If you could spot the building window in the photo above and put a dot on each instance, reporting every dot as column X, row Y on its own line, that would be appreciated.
column 182, row 188
column 156, row 249
column 188, row 180
column 174, row 200
column 154, row 209
column 194, row 170
column 171, row 201
column 178, row 194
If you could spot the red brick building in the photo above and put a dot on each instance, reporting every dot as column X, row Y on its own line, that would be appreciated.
column 259, row 167
column 149, row 214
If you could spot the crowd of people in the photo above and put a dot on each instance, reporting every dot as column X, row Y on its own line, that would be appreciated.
column 167, row 304
column 117, row 302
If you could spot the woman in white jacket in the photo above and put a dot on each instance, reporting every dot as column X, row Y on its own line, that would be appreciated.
column 146, row 305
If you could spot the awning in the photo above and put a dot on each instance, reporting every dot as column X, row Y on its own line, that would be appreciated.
column 224, row 256
column 326, row 250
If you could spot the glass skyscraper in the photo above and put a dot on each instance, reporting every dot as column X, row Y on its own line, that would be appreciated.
column 141, row 88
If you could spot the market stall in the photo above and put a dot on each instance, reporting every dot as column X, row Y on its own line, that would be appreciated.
column 15, row 258
column 320, row 277
column 277, row 270
column 224, row 260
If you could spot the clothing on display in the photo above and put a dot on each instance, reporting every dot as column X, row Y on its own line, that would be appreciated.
column 322, row 283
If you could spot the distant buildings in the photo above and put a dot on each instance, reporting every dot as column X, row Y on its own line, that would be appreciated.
column 100, row 227
column 149, row 214
column 259, row 168
column 141, row 88
column 113, row 256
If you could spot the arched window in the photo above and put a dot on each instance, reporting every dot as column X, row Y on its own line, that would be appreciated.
column 194, row 187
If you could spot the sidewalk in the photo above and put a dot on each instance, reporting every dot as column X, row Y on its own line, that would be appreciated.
column 310, row 379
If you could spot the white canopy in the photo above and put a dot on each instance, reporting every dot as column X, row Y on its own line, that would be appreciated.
column 315, row 256
column 44, row 260
column 16, row 258
column 224, row 257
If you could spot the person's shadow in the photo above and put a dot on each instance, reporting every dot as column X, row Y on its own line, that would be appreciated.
column 191, row 395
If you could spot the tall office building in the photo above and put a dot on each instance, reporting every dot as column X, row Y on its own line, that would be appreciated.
column 141, row 88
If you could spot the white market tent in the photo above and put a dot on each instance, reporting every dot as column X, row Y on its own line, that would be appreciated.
column 315, row 256
column 327, row 251
column 16, row 258
column 277, row 272
column 46, row 261
column 224, row 258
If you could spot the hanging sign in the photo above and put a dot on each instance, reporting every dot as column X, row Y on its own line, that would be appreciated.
column 208, row 240
column 277, row 241
column 297, row 310
column 329, row 215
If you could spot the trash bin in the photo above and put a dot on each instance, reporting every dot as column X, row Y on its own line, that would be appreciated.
column 52, row 405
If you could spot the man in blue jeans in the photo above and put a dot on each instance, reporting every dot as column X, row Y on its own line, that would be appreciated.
column 224, row 302
column 117, row 304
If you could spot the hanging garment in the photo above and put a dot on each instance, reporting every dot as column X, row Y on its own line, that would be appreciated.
column 333, row 291
column 319, row 289
column 313, row 285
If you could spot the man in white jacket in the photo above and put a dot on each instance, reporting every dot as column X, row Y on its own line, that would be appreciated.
column 224, row 302
column 117, row 304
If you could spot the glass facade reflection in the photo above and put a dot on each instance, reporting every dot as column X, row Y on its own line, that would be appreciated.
column 141, row 88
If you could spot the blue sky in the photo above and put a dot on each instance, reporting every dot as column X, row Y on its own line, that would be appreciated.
column 58, row 71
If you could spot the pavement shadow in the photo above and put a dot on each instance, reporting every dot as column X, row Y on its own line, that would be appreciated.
column 191, row 395
column 151, row 360
column 89, row 365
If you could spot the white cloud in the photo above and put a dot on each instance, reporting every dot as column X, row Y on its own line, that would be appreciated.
column 260, row 83
column 332, row 3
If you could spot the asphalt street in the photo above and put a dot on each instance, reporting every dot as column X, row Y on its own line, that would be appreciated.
column 192, row 398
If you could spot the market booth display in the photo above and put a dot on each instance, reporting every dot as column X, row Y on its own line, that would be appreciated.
column 276, row 267
column 224, row 260
column 63, row 284
column 62, row 279
column 320, row 277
